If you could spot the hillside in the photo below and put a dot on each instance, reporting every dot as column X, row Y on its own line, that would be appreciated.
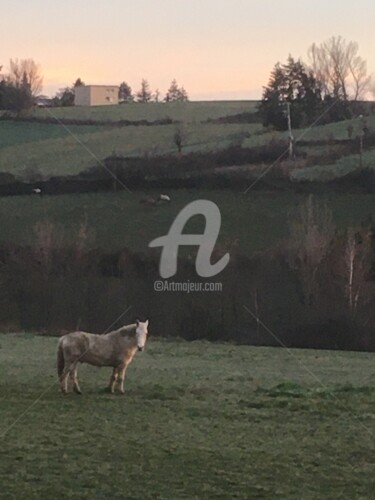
column 69, row 141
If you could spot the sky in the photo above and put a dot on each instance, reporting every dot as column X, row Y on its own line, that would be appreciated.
column 216, row 49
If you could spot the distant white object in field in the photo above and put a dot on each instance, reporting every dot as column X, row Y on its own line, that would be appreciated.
column 164, row 197
column 37, row 191
column 155, row 201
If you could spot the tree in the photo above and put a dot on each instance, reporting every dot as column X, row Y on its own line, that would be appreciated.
column 311, row 234
column 175, row 93
column 144, row 94
column 157, row 95
column 357, row 266
column 17, row 99
column 342, row 72
column 26, row 71
column 65, row 96
column 125, row 93
column 14, row 97
column 179, row 137
column 78, row 83
column 290, row 83
column 2, row 88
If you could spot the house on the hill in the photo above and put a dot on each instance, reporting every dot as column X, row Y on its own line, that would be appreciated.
column 96, row 95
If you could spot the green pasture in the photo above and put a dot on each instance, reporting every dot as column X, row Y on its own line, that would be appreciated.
column 342, row 167
column 14, row 133
column 317, row 132
column 254, row 222
column 36, row 151
column 179, row 111
column 68, row 155
column 198, row 420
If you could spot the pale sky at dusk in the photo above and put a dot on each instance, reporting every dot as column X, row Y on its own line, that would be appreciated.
column 217, row 49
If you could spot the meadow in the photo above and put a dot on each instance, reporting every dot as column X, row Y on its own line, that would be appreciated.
column 198, row 420
column 178, row 111
column 13, row 133
column 254, row 222
column 53, row 149
column 60, row 153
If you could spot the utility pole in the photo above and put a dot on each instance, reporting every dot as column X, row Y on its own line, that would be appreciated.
column 291, row 138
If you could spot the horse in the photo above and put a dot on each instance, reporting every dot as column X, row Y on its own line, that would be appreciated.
column 115, row 349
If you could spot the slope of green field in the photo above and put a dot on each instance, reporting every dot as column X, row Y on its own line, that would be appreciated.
column 198, row 420
column 16, row 133
column 256, row 221
column 181, row 111
column 341, row 168
column 68, row 155
column 51, row 150
column 336, row 131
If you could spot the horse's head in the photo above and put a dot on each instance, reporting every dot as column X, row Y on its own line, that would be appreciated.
column 141, row 334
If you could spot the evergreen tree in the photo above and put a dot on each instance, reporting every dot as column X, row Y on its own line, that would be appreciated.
column 175, row 93
column 125, row 93
column 292, row 83
column 144, row 94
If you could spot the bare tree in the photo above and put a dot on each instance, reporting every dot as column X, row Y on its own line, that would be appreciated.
column 156, row 95
column 339, row 68
column 179, row 137
column 311, row 234
column 26, row 70
column 356, row 266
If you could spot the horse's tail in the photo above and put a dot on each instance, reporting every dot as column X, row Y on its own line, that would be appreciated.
column 60, row 359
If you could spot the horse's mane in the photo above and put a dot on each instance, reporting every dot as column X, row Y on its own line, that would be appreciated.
column 124, row 330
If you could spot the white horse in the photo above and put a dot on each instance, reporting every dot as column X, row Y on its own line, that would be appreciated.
column 115, row 349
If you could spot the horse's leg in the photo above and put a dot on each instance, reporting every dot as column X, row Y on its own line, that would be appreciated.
column 76, row 386
column 64, row 381
column 66, row 375
column 113, row 380
column 122, row 378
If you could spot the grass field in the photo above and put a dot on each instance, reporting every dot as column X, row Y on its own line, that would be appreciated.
column 61, row 154
column 342, row 167
column 256, row 221
column 17, row 133
column 179, row 111
column 336, row 131
column 199, row 420
column 51, row 150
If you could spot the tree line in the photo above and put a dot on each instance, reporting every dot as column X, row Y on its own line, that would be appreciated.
column 315, row 288
column 329, row 86
column 65, row 97
column 22, row 85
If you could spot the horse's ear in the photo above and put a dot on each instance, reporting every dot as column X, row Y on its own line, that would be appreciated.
column 137, row 322
column 146, row 322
